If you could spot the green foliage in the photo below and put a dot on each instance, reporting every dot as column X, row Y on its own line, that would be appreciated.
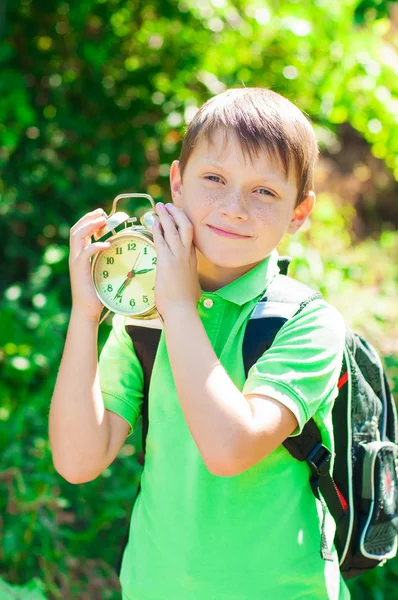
column 372, row 9
column 94, row 100
column 31, row 591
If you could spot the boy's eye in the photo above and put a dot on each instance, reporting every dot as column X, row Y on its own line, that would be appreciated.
column 213, row 178
column 265, row 192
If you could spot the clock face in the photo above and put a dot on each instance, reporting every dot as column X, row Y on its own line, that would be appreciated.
column 124, row 275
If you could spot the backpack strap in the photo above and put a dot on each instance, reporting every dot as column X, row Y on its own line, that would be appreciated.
column 145, row 338
column 284, row 298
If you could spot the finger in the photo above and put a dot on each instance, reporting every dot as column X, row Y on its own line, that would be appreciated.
column 92, row 249
column 87, row 217
column 82, row 234
column 87, row 228
column 170, row 231
column 184, row 225
column 160, row 242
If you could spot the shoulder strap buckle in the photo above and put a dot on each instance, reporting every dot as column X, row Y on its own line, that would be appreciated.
column 319, row 460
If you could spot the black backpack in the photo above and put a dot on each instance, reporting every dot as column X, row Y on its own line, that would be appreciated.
column 362, row 493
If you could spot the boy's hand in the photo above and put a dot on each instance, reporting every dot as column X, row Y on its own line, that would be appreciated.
column 177, row 283
column 84, row 298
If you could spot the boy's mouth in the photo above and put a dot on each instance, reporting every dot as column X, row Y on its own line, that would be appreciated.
column 227, row 233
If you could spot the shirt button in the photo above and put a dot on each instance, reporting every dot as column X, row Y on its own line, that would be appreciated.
column 208, row 302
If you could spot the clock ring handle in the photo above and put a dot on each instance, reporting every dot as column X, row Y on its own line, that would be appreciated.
column 122, row 196
column 114, row 219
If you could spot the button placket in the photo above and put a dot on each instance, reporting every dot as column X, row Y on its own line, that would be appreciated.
column 212, row 319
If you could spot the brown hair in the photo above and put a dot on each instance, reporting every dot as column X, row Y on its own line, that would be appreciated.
column 262, row 121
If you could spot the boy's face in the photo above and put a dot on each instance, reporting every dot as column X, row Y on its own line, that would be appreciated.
column 224, row 190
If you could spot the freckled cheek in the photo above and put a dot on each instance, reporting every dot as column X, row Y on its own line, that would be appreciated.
column 268, row 216
column 199, row 208
column 199, row 212
column 208, row 201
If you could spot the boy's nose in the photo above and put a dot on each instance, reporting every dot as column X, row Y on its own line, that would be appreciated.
column 234, row 206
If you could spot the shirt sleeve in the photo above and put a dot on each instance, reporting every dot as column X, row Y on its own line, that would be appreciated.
column 120, row 373
column 302, row 367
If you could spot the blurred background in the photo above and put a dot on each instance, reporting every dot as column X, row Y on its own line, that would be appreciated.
column 94, row 100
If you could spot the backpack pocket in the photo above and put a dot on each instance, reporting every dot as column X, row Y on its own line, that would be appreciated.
column 379, row 521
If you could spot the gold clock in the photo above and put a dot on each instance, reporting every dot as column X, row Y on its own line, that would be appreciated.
column 124, row 274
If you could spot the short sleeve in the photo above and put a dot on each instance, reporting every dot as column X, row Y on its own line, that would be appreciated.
column 302, row 367
column 120, row 373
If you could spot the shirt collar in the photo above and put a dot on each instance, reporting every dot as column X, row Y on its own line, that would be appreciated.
column 252, row 284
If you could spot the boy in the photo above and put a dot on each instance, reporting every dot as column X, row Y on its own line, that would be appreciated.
column 224, row 511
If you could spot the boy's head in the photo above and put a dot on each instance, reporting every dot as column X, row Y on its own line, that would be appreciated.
column 244, row 178
column 263, row 122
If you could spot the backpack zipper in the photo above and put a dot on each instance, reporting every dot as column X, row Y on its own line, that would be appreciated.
column 349, row 462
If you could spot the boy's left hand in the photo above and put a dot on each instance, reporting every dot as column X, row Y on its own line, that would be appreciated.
column 177, row 284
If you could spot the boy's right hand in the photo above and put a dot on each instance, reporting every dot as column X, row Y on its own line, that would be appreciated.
column 84, row 298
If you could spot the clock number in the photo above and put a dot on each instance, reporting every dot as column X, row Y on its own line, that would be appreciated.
column 110, row 260
column 132, row 302
column 105, row 274
column 119, row 299
column 154, row 260
column 131, row 246
column 146, row 250
column 109, row 288
column 145, row 299
column 119, row 250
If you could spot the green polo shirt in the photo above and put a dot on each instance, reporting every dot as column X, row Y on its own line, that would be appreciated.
column 256, row 535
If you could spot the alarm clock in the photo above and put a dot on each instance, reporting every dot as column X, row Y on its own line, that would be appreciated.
column 124, row 274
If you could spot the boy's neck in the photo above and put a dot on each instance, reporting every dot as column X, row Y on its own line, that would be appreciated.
column 212, row 277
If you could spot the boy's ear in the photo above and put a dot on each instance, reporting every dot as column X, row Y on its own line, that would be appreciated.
column 176, row 183
column 302, row 212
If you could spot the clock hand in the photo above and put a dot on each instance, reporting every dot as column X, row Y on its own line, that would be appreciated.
column 127, row 281
column 121, row 288
column 143, row 271
column 130, row 275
